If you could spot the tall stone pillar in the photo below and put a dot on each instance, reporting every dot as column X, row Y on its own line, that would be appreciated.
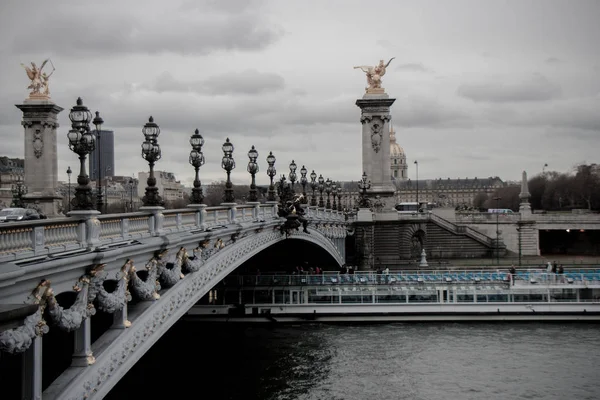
column 524, row 207
column 41, row 163
column 375, row 118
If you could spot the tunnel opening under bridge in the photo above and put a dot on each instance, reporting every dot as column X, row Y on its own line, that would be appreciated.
column 570, row 242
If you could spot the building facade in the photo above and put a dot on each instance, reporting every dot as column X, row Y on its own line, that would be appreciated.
column 12, row 170
column 106, row 147
column 399, row 169
column 169, row 188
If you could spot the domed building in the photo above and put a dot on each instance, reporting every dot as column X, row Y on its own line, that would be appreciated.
column 397, row 159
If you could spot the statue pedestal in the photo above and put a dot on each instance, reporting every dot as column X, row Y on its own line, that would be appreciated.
column 364, row 215
column 40, row 120
column 375, row 118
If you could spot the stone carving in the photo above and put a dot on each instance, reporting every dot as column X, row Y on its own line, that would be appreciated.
column 38, row 143
column 169, row 269
column 71, row 318
column 376, row 133
column 374, row 74
column 219, row 244
column 19, row 339
column 147, row 289
column 194, row 263
column 39, row 84
column 115, row 300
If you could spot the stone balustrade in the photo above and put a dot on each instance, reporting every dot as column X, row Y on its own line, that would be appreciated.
column 21, row 240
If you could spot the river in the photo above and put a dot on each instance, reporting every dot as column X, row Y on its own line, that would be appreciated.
column 410, row 361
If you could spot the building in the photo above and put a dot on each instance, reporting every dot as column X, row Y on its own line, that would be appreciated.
column 169, row 188
column 12, row 170
column 397, row 159
column 106, row 147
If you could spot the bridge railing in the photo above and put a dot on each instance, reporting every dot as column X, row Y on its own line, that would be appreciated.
column 19, row 240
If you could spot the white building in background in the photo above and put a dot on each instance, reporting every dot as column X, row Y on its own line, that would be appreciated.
column 399, row 169
column 169, row 188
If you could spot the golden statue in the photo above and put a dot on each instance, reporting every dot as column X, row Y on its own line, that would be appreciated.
column 374, row 74
column 39, row 79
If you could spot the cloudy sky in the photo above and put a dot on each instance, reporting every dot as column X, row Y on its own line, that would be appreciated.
column 482, row 88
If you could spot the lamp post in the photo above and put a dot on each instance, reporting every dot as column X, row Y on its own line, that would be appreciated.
column 82, row 143
column 334, row 195
column 544, row 169
column 328, row 192
column 18, row 191
column 340, row 191
column 497, row 231
column 303, row 182
column 151, row 153
column 417, row 164
column 98, row 121
column 364, row 185
column 69, row 172
column 519, row 229
column 321, row 188
column 131, row 195
column 196, row 160
column 271, row 171
column 293, row 175
column 313, row 186
column 228, row 163
column 252, row 169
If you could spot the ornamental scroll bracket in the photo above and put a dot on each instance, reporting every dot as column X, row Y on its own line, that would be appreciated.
column 37, row 143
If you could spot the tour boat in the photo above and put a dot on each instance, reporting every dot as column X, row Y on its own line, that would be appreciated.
column 405, row 296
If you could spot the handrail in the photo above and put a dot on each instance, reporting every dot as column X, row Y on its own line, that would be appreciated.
column 25, row 239
column 461, row 229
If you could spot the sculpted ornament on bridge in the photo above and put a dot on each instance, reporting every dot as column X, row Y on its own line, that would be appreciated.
column 39, row 80
column 374, row 74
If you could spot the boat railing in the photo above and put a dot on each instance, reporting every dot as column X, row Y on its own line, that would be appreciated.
column 520, row 278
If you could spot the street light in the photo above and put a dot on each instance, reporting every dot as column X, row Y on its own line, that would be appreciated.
column 313, row 186
column 328, row 191
column 228, row 163
column 151, row 153
column 497, row 231
column 321, row 188
column 98, row 121
column 293, row 175
column 544, row 168
column 364, row 185
column 82, row 143
column 417, row 164
column 334, row 195
column 303, row 182
column 252, row 169
column 69, row 172
column 18, row 191
column 196, row 160
column 271, row 171
column 340, row 191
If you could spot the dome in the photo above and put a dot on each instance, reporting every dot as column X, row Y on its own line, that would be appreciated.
column 395, row 149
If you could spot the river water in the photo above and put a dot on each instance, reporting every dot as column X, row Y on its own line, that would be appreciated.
column 411, row 361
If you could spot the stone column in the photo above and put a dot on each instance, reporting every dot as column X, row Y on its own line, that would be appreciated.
column 375, row 118
column 157, row 219
column 524, row 207
column 200, row 215
column 83, row 356
column 41, row 163
column 32, row 371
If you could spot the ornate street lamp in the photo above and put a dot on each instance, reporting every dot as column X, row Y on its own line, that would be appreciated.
column 252, row 169
column 340, row 191
column 334, row 193
column 321, row 188
column 151, row 153
column 82, row 143
column 328, row 192
column 271, row 171
column 18, row 191
column 197, row 160
column 313, row 186
column 293, row 175
column 363, row 185
column 98, row 121
column 303, row 182
column 69, row 172
column 228, row 163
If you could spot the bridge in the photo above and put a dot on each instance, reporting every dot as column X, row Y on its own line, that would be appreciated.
column 145, row 269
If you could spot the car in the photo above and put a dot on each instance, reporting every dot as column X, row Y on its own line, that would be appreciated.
column 18, row 214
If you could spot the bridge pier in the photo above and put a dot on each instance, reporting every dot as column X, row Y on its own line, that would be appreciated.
column 32, row 371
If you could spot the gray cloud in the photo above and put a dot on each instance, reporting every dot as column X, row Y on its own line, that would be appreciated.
column 208, row 28
column 248, row 82
column 533, row 88
column 425, row 112
column 552, row 61
column 413, row 67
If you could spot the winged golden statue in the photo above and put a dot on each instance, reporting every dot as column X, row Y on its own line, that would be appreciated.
column 374, row 74
column 39, row 80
